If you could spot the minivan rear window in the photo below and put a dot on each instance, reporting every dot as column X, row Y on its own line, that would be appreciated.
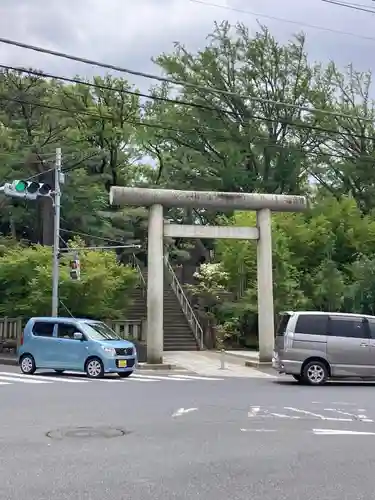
column 312, row 324
column 283, row 323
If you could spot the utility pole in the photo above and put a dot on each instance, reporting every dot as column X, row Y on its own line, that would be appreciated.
column 56, row 235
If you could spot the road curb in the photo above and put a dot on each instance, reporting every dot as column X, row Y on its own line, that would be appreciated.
column 249, row 361
column 8, row 361
column 258, row 364
column 158, row 366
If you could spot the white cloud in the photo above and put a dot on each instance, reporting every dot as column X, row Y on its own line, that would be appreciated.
column 129, row 33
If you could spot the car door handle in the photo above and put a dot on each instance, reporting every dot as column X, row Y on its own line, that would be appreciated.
column 364, row 345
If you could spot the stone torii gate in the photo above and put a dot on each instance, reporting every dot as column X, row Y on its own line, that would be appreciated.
column 157, row 199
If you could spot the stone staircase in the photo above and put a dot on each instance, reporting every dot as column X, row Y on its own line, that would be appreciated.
column 178, row 332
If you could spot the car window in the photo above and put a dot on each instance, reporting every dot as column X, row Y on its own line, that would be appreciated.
column 66, row 330
column 371, row 324
column 43, row 329
column 312, row 324
column 340, row 326
column 283, row 323
column 99, row 331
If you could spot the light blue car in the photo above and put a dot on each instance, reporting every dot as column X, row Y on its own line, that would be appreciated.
column 75, row 344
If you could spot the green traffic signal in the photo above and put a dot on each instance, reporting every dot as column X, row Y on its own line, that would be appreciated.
column 21, row 186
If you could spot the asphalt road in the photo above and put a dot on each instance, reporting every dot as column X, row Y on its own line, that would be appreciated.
column 210, row 440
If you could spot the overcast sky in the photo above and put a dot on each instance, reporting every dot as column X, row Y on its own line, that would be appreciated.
column 130, row 32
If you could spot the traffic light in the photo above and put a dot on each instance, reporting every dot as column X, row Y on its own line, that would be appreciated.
column 75, row 269
column 29, row 190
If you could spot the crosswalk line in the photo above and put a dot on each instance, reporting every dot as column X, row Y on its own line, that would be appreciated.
column 135, row 379
column 62, row 379
column 40, row 378
column 7, row 378
column 194, row 377
column 155, row 377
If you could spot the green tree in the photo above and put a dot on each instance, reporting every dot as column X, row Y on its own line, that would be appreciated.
column 26, row 284
column 238, row 142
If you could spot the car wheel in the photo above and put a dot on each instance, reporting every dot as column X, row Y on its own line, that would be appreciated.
column 315, row 373
column 297, row 377
column 60, row 372
column 124, row 374
column 27, row 364
column 94, row 368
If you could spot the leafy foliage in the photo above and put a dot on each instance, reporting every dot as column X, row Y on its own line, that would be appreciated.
column 25, row 284
column 261, row 134
column 322, row 260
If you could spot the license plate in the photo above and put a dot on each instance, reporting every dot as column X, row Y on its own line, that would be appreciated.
column 122, row 363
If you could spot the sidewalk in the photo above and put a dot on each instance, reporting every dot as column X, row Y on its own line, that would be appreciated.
column 248, row 358
column 8, row 358
column 209, row 363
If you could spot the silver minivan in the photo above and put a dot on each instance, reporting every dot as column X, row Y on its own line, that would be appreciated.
column 316, row 346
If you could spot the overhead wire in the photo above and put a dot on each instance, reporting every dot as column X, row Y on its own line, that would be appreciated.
column 322, row 155
column 159, row 126
column 361, row 8
column 87, row 235
column 195, row 86
column 149, row 96
column 284, row 20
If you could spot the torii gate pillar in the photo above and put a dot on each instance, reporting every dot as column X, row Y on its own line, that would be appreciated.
column 157, row 199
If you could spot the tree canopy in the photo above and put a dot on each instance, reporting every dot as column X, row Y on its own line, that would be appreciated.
column 249, row 114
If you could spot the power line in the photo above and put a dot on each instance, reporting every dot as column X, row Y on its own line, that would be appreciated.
column 164, row 99
column 284, row 20
column 87, row 235
column 361, row 8
column 159, row 126
column 117, row 89
column 175, row 82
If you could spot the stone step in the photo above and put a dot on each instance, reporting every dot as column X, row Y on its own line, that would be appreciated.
column 177, row 331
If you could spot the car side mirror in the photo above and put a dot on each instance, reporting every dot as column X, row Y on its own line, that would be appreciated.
column 78, row 336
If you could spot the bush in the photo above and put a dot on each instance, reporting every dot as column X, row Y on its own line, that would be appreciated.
column 26, row 284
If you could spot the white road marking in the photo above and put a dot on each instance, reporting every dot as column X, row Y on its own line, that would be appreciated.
column 253, row 411
column 24, row 381
column 337, row 432
column 154, row 377
column 343, row 403
column 258, row 430
column 281, row 415
column 193, row 377
column 22, row 377
column 362, row 418
column 181, row 411
column 134, row 379
column 317, row 415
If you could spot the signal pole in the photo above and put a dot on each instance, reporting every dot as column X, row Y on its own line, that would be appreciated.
column 56, row 235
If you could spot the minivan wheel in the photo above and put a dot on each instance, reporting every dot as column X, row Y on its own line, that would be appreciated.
column 94, row 368
column 315, row 373
column 27, row 364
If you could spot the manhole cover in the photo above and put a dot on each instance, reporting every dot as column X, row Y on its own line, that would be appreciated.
column 87, row 432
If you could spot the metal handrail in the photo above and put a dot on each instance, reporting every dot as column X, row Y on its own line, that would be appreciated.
column 185, row 304
column 137, row 267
